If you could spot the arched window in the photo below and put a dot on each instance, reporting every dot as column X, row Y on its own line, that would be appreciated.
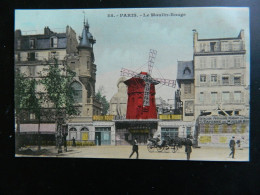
column 73, row 129
column 84, row 129
column 77, row 91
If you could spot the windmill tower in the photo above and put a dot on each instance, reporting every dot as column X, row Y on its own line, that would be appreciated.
column 141, row 91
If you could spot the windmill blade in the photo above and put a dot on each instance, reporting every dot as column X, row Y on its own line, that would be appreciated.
column 130, row 73
column 152, row 56
column 146, row 101
column 167, row 82
column 127, row 72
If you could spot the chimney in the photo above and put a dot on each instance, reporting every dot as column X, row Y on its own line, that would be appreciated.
column 18, row 33
column 241, row 34
column 47, row 31
column 195, row 39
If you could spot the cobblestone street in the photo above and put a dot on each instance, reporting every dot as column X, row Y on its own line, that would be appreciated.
column 123, row 152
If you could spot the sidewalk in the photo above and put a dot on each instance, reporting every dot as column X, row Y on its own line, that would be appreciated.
column 123, row 152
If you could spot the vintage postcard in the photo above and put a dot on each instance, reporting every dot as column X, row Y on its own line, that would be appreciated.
column 139, row 83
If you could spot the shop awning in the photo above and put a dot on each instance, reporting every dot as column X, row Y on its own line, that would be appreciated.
column 33, row 128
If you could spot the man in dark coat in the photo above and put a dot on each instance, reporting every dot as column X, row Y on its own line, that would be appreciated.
column 232, row 145
column 188, row 149
column 135, row 149
column 73, row 142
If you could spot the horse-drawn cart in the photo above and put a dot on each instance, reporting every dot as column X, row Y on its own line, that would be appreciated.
column 172, row 144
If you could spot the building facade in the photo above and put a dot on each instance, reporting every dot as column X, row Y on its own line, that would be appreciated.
column 36, row 52
column 221, row 75
column 221, row 88
column 185, row 80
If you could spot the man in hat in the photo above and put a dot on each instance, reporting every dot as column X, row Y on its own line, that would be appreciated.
column 135, row 149
column 188, row 144
column 232, row 145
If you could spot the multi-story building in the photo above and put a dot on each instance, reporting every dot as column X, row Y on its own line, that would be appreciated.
column 221, row 75
column 35, row 52
column 185, row 80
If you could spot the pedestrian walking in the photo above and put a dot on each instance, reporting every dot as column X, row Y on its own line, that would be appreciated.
column 232, row 145
column 73, row 142
column 65, row 143
column 135, row 149
column 238, row 144
column 188, row 149
column 242, row 143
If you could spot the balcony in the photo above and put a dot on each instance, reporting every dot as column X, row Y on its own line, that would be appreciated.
column 204, row 53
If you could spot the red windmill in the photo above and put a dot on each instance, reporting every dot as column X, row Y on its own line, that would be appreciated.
column 141, row 91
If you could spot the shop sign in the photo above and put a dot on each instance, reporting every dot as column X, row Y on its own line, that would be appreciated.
column 222, row 139
column 84, row 136
column 139, row 131
column 170, row 117
column 103, row 118
column 222, row 120
column 205, row 139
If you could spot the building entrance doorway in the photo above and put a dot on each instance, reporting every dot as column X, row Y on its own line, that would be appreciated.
column 103, row 135
column 141, row 138
column 98, row 138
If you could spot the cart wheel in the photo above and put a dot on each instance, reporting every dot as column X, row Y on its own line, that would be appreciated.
column 150, row 148
column 174, row 149
column 160, row 148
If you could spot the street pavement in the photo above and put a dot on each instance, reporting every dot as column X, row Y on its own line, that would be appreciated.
column 123, row 152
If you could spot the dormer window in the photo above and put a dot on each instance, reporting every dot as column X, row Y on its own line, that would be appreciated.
column 54, row 42
column 32, row 43
column 18, row 44
column 187, row 71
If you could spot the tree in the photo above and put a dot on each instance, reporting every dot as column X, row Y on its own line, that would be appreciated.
column 102, row 99
column 59, row 94
column 26, row 101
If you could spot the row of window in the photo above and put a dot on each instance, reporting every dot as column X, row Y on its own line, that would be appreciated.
column 32, row 56
column 235, row 128
column 225, row 97
column 32, row 43
column 221, row 46
column 173, row 132
column 226, row 79
column 224, row 62
column 96, row 129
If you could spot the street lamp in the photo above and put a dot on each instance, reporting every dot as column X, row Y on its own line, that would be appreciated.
column 183, row 129
column 59, row 136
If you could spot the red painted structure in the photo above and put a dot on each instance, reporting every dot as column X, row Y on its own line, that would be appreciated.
column 135, row 108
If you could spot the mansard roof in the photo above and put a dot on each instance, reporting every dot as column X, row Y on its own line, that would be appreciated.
column 42, row 41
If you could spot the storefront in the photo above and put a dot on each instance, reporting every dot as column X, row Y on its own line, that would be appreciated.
column 173, row 129
column 32, row 134
column 104, row 130
column 102, row 136
column 80, row 131
column 129, row 129
column 218, row 130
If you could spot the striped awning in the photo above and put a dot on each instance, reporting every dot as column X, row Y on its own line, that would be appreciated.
column 33, row 128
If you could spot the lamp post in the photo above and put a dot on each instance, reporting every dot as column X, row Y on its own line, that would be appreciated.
column 183, row 130
column 59, row 133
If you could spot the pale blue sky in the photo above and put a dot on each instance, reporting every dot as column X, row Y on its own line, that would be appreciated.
column 125, row 42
